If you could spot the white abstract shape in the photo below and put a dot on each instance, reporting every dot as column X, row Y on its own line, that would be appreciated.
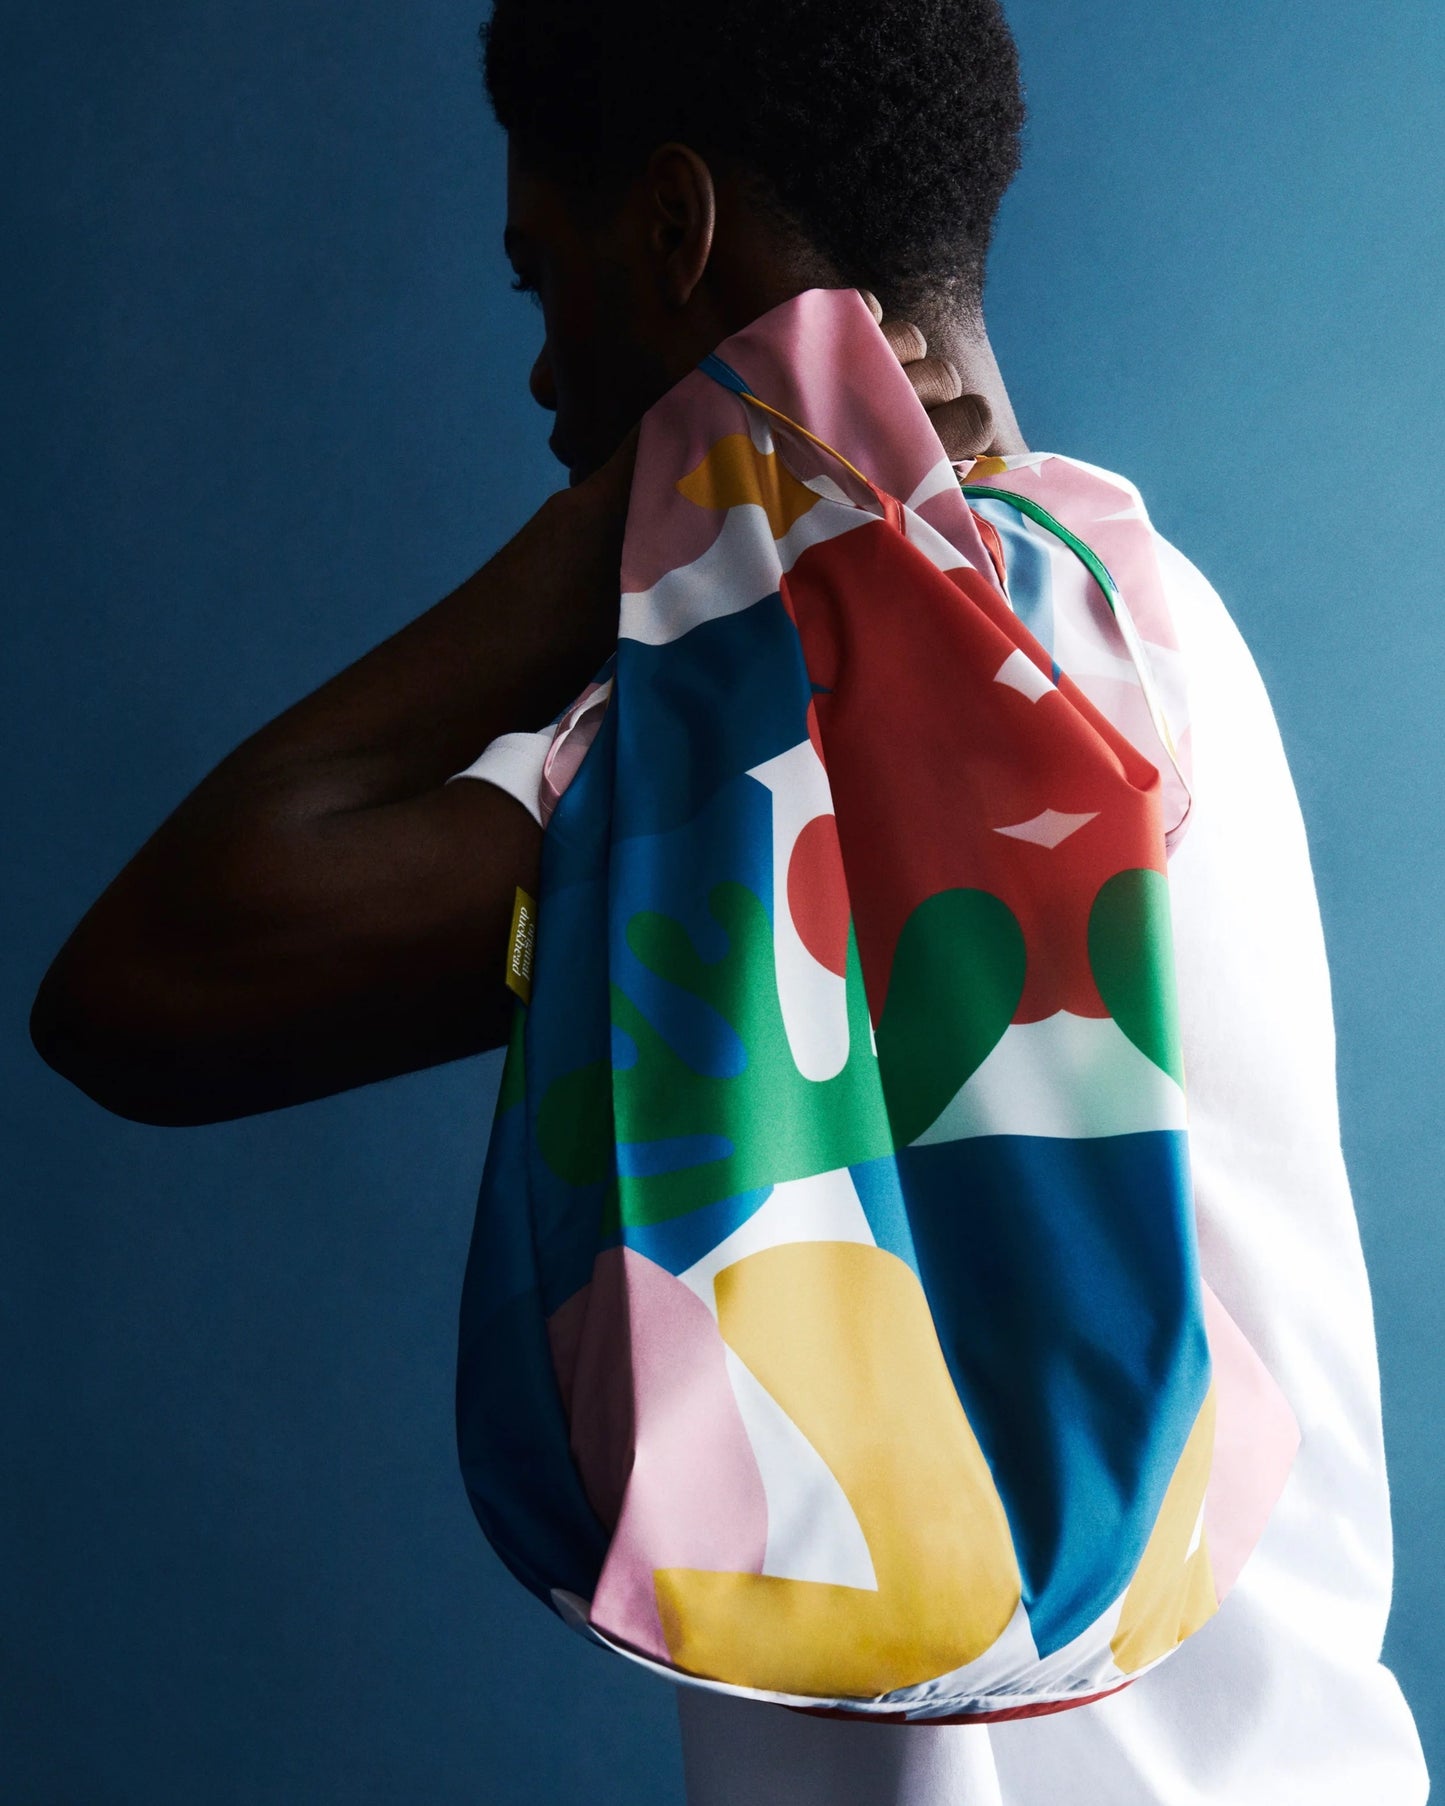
column 813, row 1532
column 760, row 431
column 939, row 481
column 1013, row 1673
column 1002, row 1668
column 1092, row 650
column 741, row 568
column 812, row 999
column 824, row 485
column 941, row 552
column 575, row 1613
column 1111, row 477
column 824, row 1207
column 1090, row 660
column 1087, row 640
column 1020, row 673
column 1009, row 1674
column 1170, row 674
column 1050, row 829
column 1196, row 1534
column 1070, row 1076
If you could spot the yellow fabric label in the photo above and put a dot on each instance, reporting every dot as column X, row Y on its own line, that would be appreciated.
column 519, row 944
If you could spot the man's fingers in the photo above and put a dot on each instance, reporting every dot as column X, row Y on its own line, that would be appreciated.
column 935, row 380
column 905, row 340
column 964, row 425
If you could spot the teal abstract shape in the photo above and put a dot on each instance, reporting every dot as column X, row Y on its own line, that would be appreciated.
column 1131, row 954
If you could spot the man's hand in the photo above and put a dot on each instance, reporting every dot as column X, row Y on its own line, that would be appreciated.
column 964, row 423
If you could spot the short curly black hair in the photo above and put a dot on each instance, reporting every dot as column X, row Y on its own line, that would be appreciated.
column 884, row 131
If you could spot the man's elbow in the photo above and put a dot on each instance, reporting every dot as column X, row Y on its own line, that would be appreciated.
column 81, row 1028
column 151, row 1006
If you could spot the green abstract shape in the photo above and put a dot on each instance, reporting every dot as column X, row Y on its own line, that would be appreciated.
column 1131, row 954
column 574, row 1124
column 781, row 1125
column 958, row 975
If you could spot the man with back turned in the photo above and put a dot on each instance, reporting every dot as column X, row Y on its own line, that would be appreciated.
column 326, row 909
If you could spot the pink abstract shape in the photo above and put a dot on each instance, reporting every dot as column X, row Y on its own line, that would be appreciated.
column 571, row 738
column 665, row 531
column 657, row 1437
column 1093, row 504
column 941, row 514
column 792, row 356
column 1255, row 1442
column 1125, row 704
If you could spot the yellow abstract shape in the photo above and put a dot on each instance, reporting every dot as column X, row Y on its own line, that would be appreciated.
column 735, row 471
column 984, row 467
column 841, row 1335
column 1172, row 1592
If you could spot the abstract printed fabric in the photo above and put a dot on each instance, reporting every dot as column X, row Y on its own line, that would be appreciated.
column 833, row 1332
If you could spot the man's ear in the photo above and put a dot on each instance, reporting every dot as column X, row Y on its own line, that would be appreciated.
column 683, row 217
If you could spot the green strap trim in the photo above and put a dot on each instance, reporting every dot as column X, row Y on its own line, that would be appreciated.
column 1086, row 554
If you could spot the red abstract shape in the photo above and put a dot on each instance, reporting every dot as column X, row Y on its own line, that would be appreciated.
column 818, row 893
column 814, row 732
column 928, row 756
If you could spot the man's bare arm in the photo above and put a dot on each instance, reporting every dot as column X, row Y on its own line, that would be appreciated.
column 324, row 910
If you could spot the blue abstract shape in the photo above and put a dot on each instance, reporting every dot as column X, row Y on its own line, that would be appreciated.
column 512, row 1434
column 723, row 373
column 699, row 711
column 680, row 1243
column 1026, row 559
column 644, row 1159
column 880, row 1192
column 674, row 873
column 516, row 1460
column 1064, row 1287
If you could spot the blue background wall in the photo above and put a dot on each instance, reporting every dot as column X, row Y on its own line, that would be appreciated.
column 268, row 403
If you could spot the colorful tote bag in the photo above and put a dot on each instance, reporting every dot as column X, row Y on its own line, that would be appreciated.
column 833, row 1331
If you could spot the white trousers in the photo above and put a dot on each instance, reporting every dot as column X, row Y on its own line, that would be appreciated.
column 739, row 1753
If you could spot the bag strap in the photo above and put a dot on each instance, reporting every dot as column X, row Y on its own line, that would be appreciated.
column 893, row 512
column 713, row 366
column 1097, row 569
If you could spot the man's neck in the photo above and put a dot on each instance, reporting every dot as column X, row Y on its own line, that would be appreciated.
column 756, row 263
